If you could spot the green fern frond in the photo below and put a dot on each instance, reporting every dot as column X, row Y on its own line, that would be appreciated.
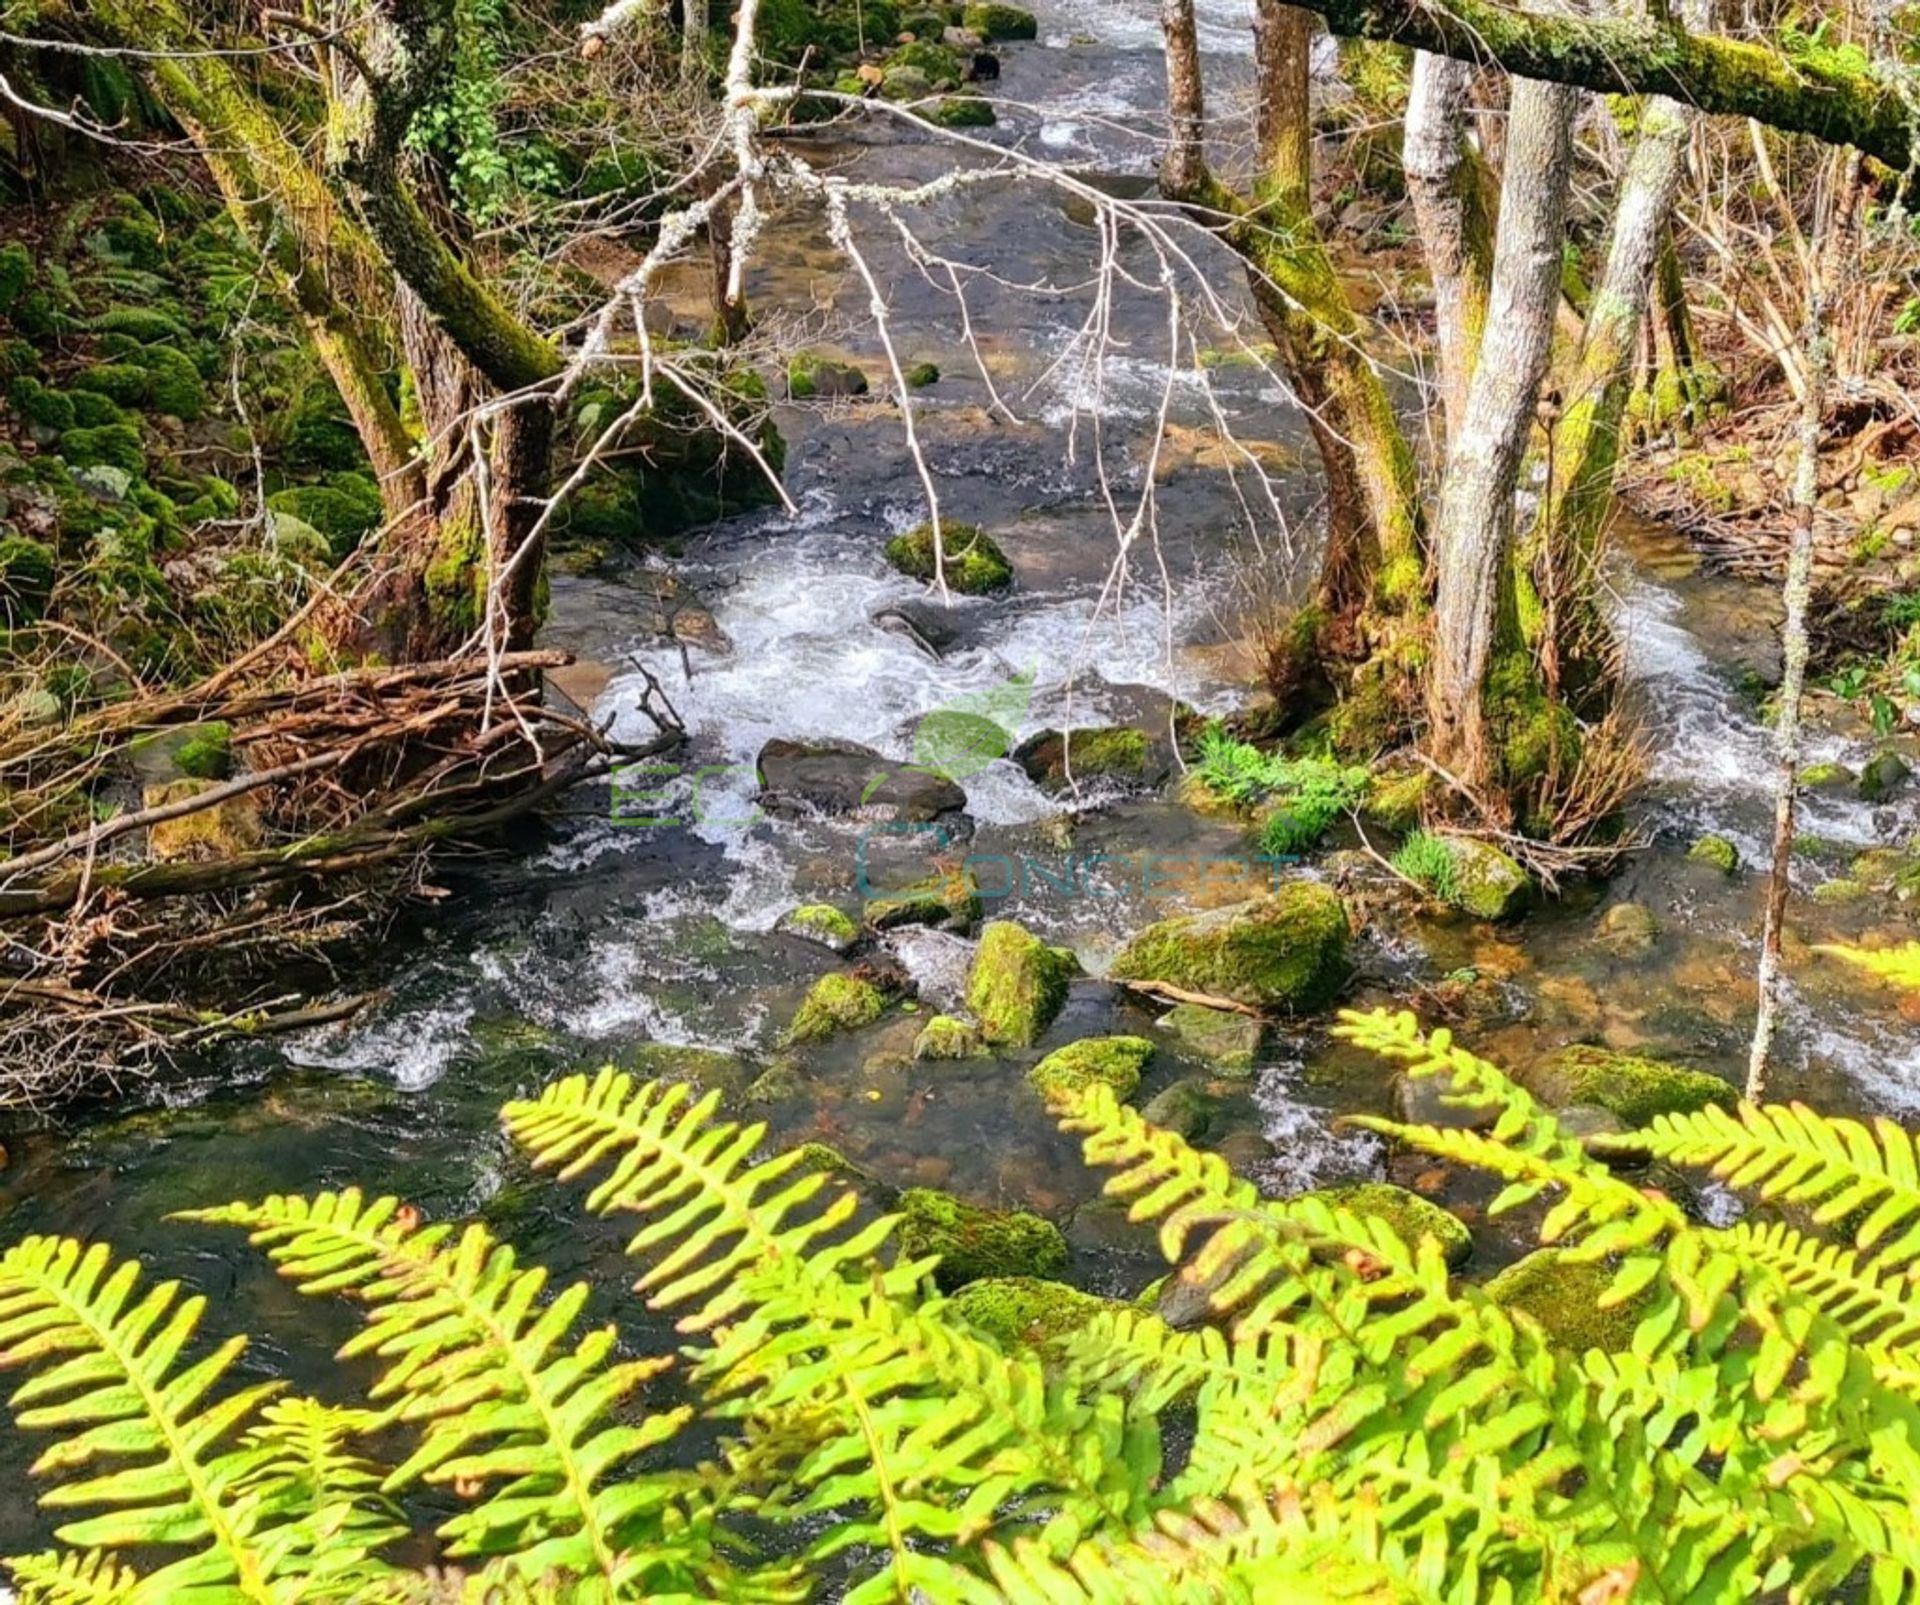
column 89, row 1578
column 1875, row 1306
column 1840, row 1170
column 508, row 1398
column 1898, row 966
column 169, row 1465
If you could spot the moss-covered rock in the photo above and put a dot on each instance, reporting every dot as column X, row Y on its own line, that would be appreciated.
column 1839, row 892
column 117, row 445
column 994, row 21
column 1017, row 984
column 343, row 510
column 975, row 1243
column 946, row 1036
column 207, row 753
column 26, row 579
column 1633, row 1088
column 1026, row 1309
column 1885, row 773
column 822, row 923
column 1486, row 882
column 1563, row 1296
column 706, row 1068
column 838, row 1002
column 1395, row 797
column 951, row 899
column 1827, row 776
column 974, row 565
column 811, row 376
column 16, row 273
column 1717, row 851
column 959, row 111
column 1187, row 1108
column 1410, row 1216
column 1230, row 1041
column 1116, row 1061
column 222, row 830
column 1097, row 752
column 922, row 374
column 1283, row 951
column 941, row 67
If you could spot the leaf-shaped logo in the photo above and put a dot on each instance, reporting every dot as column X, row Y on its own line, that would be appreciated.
column 956, row 743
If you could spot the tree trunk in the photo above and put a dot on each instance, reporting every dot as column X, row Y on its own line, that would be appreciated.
column 1566, row 628
column 1473, row 530
column 1447, row 186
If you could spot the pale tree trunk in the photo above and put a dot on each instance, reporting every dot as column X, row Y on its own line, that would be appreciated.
column 1446, row 183
column 1474, row 527
column 1568, row 628
column 694, row 37
column 1793, row 680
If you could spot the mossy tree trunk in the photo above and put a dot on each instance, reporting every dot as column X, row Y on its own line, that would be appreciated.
column 1474, row 525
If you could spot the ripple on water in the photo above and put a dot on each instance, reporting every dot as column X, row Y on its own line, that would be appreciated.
column 1307, row 1152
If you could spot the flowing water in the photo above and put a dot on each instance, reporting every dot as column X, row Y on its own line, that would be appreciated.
column 592, row 936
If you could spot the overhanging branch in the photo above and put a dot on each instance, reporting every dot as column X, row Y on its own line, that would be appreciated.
column 1796, row 93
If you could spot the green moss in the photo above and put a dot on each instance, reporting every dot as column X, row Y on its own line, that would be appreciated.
column 1409, row 1216
column 952, row 898
column 1838, row 893
column 1026, row 1309
column 810, row 375
column 1624, row 1084
column 208, row 753
column 1563, row 1295
column 123, row 383
column 1284, row 951
column 975, row 1243
column 456, row 576
column 1117, row 1061
column 174, row 386
column 343, row 510
column 1469, row 874
column 1017, row 984
column 26, row 579
column 837, row 1002
column 946, row 1037
column 1395, row 799
column 1717, row 851
column 144, row 324
column 16, row 273
column 975, row 565
column 994, row 21
column 91, row 410
column 956, row 111
column 941, row 66
column 116, row 445
column 707, row 1068
column 922, row 374
column 1230, row 1041
column 823, row 923
column 1827, row 777
column 41, row 407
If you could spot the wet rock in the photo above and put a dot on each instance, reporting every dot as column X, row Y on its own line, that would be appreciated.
column 820, row 923
column 1395, row 797
column 950, row 902
column 1428, row 1101
column 1886, row 772
column 1187, row 1108
column 782, row 1082
column 1094, row 753
column 975, row 1243
column 1230, row 1041
column 1283, row 951
column 1717, row 851
column 706, row 1068
column 841, row 777
column 934, row 630
column 837, row 1003
column 1563, row 1295
column 1827, row 777
column 1017, row 983
column 1114, row 1061
column 946, row 1036
column 820, row 1159
column 983, row 67
column 1627, row 929
column 1586, row 1121
column 1246, row 1151
column 972, row 562
column 220, row 830
column 810, row 375
column 1625, row 1084
column 1409, row 1216
column 1486, row 882
column 1026, row 1309
column 993, row 21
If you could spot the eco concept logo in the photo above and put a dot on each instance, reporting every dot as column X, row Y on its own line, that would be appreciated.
column 967, row 734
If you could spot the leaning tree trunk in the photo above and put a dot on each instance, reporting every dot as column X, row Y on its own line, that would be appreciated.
column 1447, row 185
column 1567, row 628
column 1473, row 530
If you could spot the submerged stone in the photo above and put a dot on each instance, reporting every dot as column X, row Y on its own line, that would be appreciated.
column 1287, row 950
column 1017, row 984
column 842, row 777
column 1117, row 1061
column 1096, row 752
column 1027, row 1309
column 1628, row 928
column 1187, row 1108
column 1629, row 1086
column 706, row 1068
column 1717, row 851
column 1886, row 772
column 975, row 1243
column 947, row 1037
column 837, row 1003
column 821, row 923
column 1563, row 1295
column 973, row 563
column 951, row 900
column 1230, row 1040
column 1407, row 1214
column 1486, row 882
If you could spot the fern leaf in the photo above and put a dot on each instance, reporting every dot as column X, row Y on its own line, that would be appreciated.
column 89, row 1578
column 508, row 1397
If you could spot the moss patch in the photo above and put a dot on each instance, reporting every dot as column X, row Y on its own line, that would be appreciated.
column 1017, row 984
column 994, row 21
column 947, row 1037
column 975, row 1243
column 1631, row 1087
column 837, row 1003
column 706, row 1068
column 975, row 565
column 1026, row 1309
column 1284, row 951
column 1116, row 1061
column 1229, row 1040
column 1563, row 1295
column 953, row 898
column 1717, row 851
column 26, row 579
column 207, row 754
column 1408, row 1215
column 822, row 923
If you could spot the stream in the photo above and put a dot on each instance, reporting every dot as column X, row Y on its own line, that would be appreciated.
column 592, row 936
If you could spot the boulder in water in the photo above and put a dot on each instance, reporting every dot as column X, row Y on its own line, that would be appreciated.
column 1628, row 929
column 1624, row 1084
column 1563, row 1294
column 946, row 1036
column 932, row 629
column 971, row 561
column 1886, row 772
column 833, row 929
column 1093, row 753
column 1228, row 1039
column 1026, row 1309
column 841, row 777
column 1017, row 983
column 836, row 1003
column 1409, row 1216
column 1115, row 1061
column 1717, row 851
column 975, row 1243
column 1286, row 951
